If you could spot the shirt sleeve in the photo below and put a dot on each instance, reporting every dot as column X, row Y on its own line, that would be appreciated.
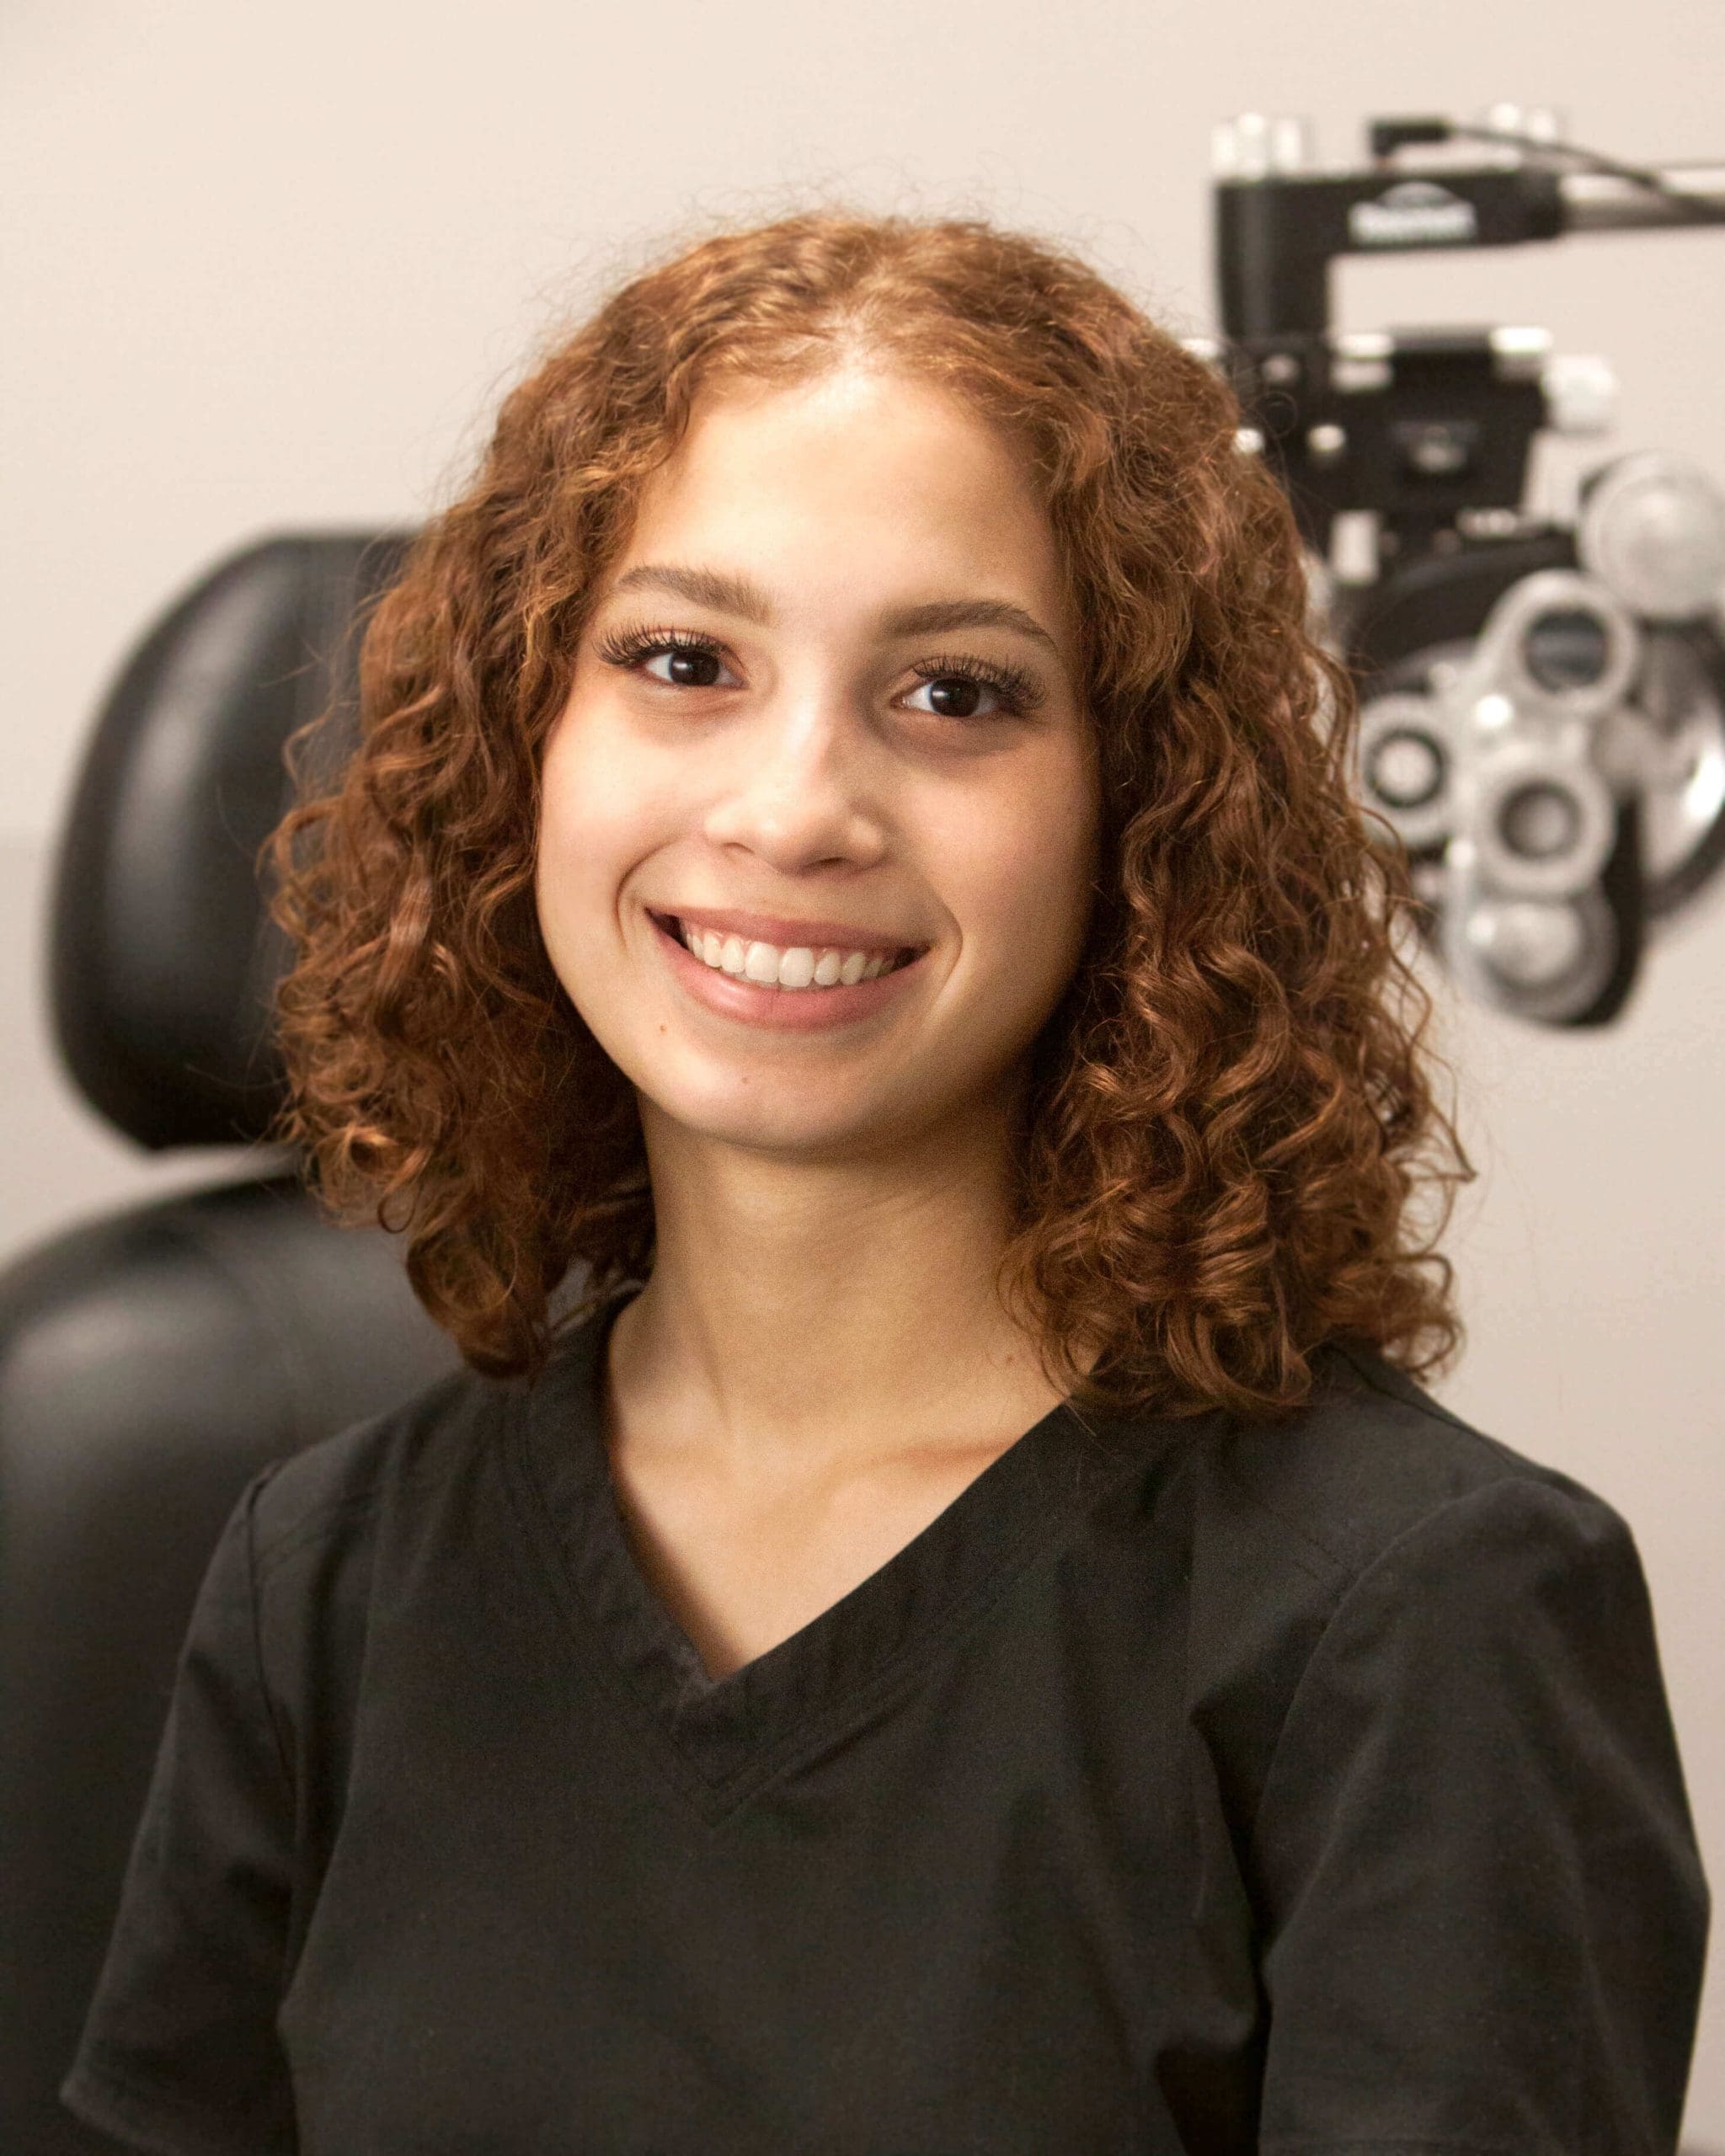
column 179, row 2053
column 1487, row 1915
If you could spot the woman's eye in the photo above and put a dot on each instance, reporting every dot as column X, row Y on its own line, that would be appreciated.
column 698, row 667
column 961, row 696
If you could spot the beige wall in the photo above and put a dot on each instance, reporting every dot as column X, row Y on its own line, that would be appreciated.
column 272, row 265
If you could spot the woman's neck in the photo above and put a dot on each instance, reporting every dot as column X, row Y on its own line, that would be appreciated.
column 797, row 1313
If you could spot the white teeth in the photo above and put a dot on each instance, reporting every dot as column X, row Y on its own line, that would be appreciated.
column 799, row 967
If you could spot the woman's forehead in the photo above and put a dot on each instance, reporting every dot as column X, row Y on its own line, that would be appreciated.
column 895, row 476
column 859, row 412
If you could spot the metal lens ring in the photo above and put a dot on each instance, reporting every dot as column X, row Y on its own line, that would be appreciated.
column 1562, row 644
column 1407, row 765
column 1543, row 825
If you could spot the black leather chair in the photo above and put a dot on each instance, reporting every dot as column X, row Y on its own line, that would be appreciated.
column 152, row 1359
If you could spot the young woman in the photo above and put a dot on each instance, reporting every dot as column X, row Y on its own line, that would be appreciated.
column 965, row 1631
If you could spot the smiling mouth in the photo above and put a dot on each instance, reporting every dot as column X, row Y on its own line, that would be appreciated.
column 673, row 927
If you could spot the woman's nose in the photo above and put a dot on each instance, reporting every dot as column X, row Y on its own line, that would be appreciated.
column 802, row 781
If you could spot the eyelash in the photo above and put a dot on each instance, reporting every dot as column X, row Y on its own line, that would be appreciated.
column 1017, row 689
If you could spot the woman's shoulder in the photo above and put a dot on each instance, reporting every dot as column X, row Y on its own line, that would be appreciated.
column 1375, row 1559
column 398, row 1457
column 1371, row 1459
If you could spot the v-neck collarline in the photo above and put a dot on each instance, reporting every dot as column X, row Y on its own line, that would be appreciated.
column 741, row 1728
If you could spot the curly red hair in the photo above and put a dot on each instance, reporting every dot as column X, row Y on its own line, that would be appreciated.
column 1230, row 1112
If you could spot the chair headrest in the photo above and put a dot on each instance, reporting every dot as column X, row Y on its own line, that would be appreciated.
column 164, row 961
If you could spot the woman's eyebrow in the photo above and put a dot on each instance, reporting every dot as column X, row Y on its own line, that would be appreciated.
column 740, row 596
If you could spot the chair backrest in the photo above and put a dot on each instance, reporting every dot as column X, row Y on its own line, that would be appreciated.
column 151, row 1360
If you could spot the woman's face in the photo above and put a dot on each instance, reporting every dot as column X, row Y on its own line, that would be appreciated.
column 807, row 755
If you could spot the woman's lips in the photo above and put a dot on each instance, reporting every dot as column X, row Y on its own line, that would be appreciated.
column 785, row 1010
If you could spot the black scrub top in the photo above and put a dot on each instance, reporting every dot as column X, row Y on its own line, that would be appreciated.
column 1184, row 1786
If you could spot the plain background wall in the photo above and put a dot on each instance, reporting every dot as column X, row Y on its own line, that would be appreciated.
column 269, row 270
